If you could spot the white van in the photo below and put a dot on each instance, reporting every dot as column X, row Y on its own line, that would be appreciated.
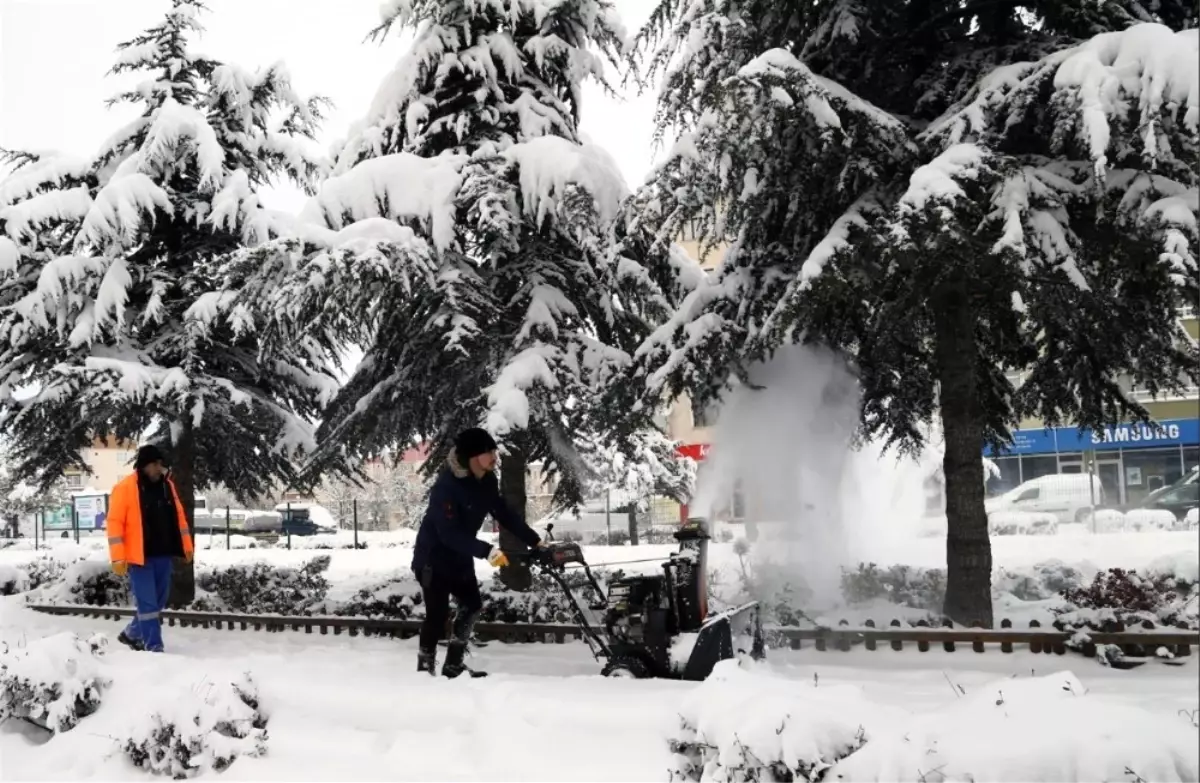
column 1066, row 495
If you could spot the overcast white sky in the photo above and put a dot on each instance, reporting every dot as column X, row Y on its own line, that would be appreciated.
column 54, row 55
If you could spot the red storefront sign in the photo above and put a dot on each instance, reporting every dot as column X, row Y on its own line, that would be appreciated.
column 697, row 451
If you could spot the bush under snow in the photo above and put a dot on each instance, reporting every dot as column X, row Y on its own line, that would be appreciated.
column 54, row 682
column 1043, row 729
column 196, row 730
column 745, row 725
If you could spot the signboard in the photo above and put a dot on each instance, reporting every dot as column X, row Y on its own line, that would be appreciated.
column 57, row 519
column 92, row 511
column 1170, row 432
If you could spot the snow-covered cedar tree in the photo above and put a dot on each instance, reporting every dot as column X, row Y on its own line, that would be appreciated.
column 469, row 239
column 950, row 193
column 111, row 279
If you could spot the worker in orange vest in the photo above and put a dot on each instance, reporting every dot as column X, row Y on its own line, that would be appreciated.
column 147, row 529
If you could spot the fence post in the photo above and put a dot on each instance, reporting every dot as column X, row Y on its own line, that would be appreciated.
column 75, row 520
column 227, row 545
column 608, row 515
column 38, row 521
column 633, row 526
column 354, row 508
column 287, row 520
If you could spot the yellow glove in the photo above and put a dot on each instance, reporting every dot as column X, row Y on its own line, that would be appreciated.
column 120, row 567
column 497, row 558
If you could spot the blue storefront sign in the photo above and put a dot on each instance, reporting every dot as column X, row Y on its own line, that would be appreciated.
column 1170, row 432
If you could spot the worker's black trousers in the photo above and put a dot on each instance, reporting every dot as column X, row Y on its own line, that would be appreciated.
column 437, row 587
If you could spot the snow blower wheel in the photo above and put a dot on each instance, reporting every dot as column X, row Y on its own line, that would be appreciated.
column 626, row 667
column 656, row 625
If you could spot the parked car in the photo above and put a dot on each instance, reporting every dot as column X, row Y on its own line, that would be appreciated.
column 1068, row 496
column 1178, row 498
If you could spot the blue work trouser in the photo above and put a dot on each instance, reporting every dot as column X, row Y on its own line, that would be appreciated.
column 151, row 584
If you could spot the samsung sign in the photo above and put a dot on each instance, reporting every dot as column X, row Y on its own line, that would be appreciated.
column 1172, row 432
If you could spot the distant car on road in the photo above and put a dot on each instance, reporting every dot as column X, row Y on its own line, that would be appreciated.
column 1178, row 498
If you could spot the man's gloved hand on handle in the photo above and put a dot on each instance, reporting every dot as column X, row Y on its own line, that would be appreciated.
column 497, row 558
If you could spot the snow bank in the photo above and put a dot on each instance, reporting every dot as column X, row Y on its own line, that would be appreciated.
column 195, row 730
column 746, row 725
column 54, row 682
column 1192, row 520
column 1031, row 729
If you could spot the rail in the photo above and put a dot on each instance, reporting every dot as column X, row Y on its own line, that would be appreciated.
column 1142, row 640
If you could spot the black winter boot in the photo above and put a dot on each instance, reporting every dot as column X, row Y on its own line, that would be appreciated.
column 454, row 665
column 427, row 661
column 133, row 644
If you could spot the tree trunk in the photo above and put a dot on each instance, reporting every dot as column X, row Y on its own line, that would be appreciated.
column 183, row 452
column 968, row 549
column 512, row 486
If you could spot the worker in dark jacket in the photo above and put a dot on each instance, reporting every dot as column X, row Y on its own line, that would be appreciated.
column 464, row 494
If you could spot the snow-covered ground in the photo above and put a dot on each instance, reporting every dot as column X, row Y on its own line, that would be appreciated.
column 355, row 709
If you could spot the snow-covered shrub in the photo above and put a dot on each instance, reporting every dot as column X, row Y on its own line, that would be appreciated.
column 1032, row 729
column 1191, row 520
column 395, row 598
column 1044, row 580
column 1143, row 519
column 1022, row 523
column 54, row 682
column 12, row 580
column 1126, row 597
column 262, row 587
column 744, row 725
column 88, row 581
column 197, row 730
column 1106, row 520
column 918, row 588
column 544, row 603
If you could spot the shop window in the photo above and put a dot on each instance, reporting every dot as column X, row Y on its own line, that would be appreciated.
column 1036, row 467
column 1148, row 470
column 1191, row 459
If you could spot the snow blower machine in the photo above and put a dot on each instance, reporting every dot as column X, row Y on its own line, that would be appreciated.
column 657, row 625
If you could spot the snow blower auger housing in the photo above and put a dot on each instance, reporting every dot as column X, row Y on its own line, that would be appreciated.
column 658, row 625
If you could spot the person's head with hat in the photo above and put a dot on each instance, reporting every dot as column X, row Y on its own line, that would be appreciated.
column 476, row 451
column 150, row 463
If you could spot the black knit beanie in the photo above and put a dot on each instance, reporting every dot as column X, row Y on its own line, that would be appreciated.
column 472, row 443
column 147, row 455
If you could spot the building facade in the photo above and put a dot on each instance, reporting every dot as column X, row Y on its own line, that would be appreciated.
column 1131, row 460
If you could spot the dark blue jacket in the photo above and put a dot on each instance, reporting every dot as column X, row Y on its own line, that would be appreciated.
column 458, row 505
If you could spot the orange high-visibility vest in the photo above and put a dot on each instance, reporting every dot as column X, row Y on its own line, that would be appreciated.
column 125, row 522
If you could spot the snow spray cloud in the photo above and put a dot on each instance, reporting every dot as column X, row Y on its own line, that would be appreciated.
column 790, row 446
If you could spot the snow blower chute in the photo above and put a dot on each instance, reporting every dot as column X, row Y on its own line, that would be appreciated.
column 658, row 625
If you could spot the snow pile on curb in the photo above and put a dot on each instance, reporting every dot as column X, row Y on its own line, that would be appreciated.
column 54, row 682
column 746, row 725
column 196, row 730
column 1034, row 729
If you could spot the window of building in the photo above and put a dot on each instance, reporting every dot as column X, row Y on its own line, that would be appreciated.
column 74, row 480
column 1191, row 459
column 1038, row 466
column 1147, row 470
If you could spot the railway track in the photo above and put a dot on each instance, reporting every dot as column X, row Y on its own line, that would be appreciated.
column 1138, row 642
